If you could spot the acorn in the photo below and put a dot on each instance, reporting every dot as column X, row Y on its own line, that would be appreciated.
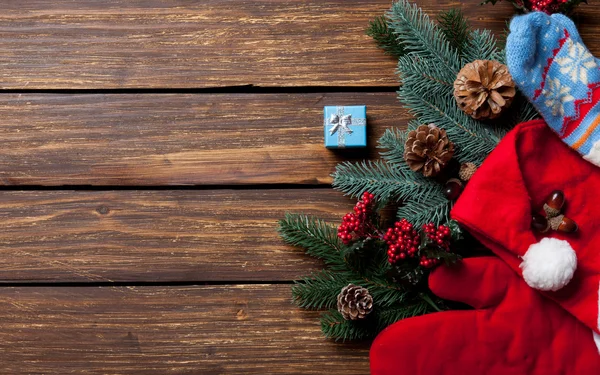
column 554, row 204
column 453, row 189
column 539, row 222
column 563, row 224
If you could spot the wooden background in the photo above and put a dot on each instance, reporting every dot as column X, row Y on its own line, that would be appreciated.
column 149, row 148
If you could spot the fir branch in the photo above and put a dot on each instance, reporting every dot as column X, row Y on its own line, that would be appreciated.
column 319, row 291
column 318, row 238
column 421, row 37
column 385, row 293
column 455, row 28
column 393, row 141
column 425, row 208
column 383, row 180
column 334, row 326
column 474, row 140
column 425, row 76
column 482, row 45
column 386, row 40
column 367, row 257
column 415, row 307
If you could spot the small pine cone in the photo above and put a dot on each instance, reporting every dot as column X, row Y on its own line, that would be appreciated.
column 467, row 170
column 428, row 150
column 354, row 302
column 483, row 89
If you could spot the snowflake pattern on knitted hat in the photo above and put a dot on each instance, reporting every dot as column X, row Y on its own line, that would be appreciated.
column 554, row 69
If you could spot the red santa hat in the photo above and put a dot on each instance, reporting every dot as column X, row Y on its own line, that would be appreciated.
column 516, row 180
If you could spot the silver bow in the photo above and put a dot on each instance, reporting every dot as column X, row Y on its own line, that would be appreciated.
column 342, row 122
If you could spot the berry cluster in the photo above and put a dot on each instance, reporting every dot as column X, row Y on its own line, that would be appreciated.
column 403, row 241
column 439, row 237
column 429, row 262
column 358, row 224
column 547, row 6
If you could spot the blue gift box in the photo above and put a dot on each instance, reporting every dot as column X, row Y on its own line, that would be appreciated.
column 345, row 126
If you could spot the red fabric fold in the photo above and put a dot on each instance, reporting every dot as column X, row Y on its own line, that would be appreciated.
column 516, row 178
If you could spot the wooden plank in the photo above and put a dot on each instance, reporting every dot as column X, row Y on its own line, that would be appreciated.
column 174, row 139
column 166, row 43
column 167, row 330
column 200, row 236
column 181, row 43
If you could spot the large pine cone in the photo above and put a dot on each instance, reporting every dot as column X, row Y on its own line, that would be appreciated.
column 428, row 150
column 483, row 89
column 354, row 302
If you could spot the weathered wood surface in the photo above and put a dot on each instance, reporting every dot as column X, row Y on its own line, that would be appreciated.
column 166, row 43
column 209, row 330
column 64, row 44
column 200, row 236
column 173, row 139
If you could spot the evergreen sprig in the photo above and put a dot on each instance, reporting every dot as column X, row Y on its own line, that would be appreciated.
column 455, row 27
column 319, row 239
column 386, row 181
column 320, row 289
column 421, row 37
column 379, row 30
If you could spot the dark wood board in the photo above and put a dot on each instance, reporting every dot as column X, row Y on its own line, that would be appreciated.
column 178, row 139
column 208, row 330
column 156, row 236
column 89, row 44
column 182, row 43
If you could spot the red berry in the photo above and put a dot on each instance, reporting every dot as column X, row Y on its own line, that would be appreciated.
column 402, row 240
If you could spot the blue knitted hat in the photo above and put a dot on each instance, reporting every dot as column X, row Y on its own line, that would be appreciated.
column 554, row 69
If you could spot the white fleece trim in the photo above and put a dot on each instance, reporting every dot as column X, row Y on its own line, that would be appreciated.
column 594, row 155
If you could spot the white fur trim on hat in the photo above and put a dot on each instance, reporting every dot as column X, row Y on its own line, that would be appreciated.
column 594, row 155
column 549, row 264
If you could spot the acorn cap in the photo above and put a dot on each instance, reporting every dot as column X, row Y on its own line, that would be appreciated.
column 554, row 204
column 561, row 223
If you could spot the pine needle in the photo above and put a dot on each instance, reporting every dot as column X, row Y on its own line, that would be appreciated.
column 455, row 28
column 378, row 30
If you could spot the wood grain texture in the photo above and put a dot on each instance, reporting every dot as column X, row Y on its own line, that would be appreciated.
column 211, row 43
column 166, row 43
column 156, row 236
column 207, row 330
column 182, row 43
column 174, row 139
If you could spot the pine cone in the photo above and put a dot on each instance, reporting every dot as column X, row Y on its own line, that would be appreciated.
column 354, row 302
column 428, row 150
column 483, row 89
column 467, row 170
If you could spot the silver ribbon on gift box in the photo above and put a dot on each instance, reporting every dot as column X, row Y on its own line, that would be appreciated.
column 341, row 124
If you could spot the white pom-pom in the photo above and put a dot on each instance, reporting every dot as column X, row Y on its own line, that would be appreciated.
column 549, row 264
